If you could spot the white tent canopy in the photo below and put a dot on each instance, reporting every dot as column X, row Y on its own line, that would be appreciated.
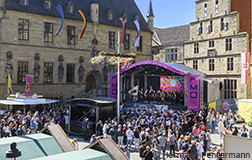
column 21, row 101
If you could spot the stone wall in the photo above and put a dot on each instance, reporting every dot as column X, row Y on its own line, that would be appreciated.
column 49, row 52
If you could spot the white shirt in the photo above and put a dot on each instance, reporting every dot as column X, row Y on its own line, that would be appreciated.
column 105, row 128
column 168, row 123
column 66, row 119
column 221, row 126
column 200, row 148
column 6, row 129
column 1, row 112
column 129, row 134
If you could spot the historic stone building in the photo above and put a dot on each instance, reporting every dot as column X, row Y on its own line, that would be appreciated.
column 59, row 65
column 217, row 38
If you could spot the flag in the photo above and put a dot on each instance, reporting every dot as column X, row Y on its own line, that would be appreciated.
column 122, row 37
column 244, row 67
column 10, row 91
column 85, row 23
column 59, row 8
column 28, row 84
column 137, row 43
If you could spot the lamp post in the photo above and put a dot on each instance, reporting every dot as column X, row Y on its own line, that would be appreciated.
column 13, row 152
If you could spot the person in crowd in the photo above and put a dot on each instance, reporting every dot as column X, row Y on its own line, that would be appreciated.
column 213, row 124
column 120, row 136
column 136, row 136
column 200, row 148
column 231, row 121
column 126, row 151
column 129, row 134
column 193, row 148
column 162, row 142
column 250, row 133
column 221, row 127
column 235, row 132
column 104, row 129
column 98, row 128
column 147, row 154
column 180, row 142
column 85, row 128
column 172, row 143
column 75, row 143
column 142, row 148
column 244, row 131
column 196, row 131
column 113, row 133
column 155, row 149
column 182, row 153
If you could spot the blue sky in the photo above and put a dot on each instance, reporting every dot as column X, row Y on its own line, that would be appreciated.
column 169, row 13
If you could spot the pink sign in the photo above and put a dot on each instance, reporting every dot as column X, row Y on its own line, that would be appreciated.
column 172, row 83
column 28, row 84
column 193, row 92
column 113, row 86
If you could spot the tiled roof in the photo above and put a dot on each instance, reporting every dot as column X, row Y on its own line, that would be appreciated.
column 119, row 7
column 173, row 35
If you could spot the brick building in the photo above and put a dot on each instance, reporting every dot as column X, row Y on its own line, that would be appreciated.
column 60, row 64
column 217, row 38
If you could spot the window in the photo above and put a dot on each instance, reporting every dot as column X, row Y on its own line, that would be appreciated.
column 201, row 28
column 229, row 44
column 230, row 64
column 205, row 9
column 140, row 48
column 211, row 64
column 24, row 2
column 195, row 64
column 175, row 55
column 48, row 33
column 70, row 72
column 196, row 48
column 211, row 44
column 167, row 55
column 23, row 29
column 48, row 72
column 211, row 53
column 211, row 26
column 48, row 4
column 70, row 8
column 127, row 42
column 70, row 35
column 230, row 88
column 111, row 40
column 22, row 72
column 172, row 55
column 216, row 6
column 222, row 24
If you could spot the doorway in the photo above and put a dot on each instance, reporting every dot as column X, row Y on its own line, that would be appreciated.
column 90, row 82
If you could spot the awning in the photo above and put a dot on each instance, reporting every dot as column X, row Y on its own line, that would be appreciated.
column 26, row 101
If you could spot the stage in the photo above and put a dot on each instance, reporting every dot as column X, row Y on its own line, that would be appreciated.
column 154, row 83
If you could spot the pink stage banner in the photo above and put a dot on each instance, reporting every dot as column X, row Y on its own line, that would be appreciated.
column 193, row 92
column 172, row 83
column 113, row 86
column 28, row 84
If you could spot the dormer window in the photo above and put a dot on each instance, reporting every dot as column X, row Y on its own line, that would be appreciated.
column 48, row 4
column 205, row 10
column 24, row 2
column 125, row 15
column 70, row 8
column 110, row 14
column 216, row 6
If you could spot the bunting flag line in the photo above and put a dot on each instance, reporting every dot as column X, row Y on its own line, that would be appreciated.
column 85, row 23
column 137, row 43
column 122, row 37
column 59, row 8
column 10, row 91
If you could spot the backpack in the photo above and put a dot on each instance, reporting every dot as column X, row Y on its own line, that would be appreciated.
column 112, row 132
column 143, row 136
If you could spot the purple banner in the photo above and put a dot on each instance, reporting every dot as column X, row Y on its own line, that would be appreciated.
column 193, row 92
column 167, row 66
column 28, row 84
column 113, row 86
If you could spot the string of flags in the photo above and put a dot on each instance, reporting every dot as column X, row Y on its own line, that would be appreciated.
column 112, row 59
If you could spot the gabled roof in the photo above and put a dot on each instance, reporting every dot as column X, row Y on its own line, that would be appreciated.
column 177, row 34
column 118, row 6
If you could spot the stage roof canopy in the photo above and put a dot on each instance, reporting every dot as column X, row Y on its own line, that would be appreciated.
column 178, row 69
column 21, row 101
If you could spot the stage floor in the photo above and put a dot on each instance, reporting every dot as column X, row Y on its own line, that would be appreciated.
column 159, row 107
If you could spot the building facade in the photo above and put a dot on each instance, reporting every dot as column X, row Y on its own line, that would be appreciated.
column 60, row 64
column 217, row 38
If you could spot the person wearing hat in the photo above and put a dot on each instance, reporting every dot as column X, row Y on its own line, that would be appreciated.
column 156, row 149
column 126, row 151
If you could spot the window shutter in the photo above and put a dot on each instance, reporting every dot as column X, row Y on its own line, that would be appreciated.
column 208, row 29
column 217, row 8
column 205, row 11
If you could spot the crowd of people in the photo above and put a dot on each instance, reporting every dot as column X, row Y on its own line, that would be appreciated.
column 18, row 123
column 153, row 132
